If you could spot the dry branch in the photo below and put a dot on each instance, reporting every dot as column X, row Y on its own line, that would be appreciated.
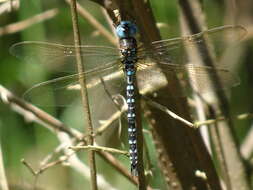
column 224, row 139
column 86, row 15
column 19, row 26
column 3, row 179
column 33, row 114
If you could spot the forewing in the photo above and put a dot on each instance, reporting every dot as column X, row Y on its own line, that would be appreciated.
column 168, row 57
column 57, row 57
column 173, row 50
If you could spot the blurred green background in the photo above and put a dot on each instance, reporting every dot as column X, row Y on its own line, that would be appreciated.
column 22, row 139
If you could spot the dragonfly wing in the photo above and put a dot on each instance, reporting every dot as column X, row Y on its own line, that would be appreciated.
column 192, row 78
column 65, row 90
column 59, row 57
column 173, row 50
column 63, row 96
column 150, row 78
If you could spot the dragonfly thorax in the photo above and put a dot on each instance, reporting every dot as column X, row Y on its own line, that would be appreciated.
column 128, row 49
column 128, row 44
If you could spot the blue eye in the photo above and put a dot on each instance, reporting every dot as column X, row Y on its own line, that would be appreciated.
column 126, row 29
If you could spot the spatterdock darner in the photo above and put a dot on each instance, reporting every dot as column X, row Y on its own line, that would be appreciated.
column 129, row 63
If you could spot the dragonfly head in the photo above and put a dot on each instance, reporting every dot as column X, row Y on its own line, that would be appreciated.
column 126, row 29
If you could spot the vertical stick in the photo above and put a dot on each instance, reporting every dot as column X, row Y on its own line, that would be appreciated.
column 234, row 168
column 3, row 180
column 84, row 95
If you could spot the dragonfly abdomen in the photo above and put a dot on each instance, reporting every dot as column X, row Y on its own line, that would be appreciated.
column 129, row 60
column 128, row 48
column 131, row 117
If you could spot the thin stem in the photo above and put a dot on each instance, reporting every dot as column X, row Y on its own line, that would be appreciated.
column 29, row 167
column 34, row 114
column 236, row 170
column 108, row 122
column 19, row 26
column 3, row 179
column 84, row 94
column 167, row 111
column 86, row 15
column 100, row 148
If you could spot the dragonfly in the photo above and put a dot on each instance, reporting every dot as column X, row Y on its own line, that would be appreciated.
column 128, row 66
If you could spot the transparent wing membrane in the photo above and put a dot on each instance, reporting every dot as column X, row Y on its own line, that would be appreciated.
column 59, row 57
column 191, row 77
column 63, row 91
column 170, row 56
column 158, row 64
column 173, row 50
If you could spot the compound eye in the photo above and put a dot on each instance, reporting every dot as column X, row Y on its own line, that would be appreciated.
column 126, row 29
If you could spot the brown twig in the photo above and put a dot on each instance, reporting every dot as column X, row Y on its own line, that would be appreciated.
column 35, row 173
column 196, row 124
column 108, row 122
column 86, row 15
column 16, row 27
column 100, row 148
column 71, row 160
column 235, row 172
column 84, row 94
column 167, row 111
column 191, row 25
column 33, row 113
